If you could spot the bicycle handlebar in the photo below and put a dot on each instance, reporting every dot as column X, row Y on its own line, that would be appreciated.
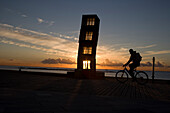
column 124, row 68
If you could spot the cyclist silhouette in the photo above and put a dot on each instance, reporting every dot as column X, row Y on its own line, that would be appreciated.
column 135, row 58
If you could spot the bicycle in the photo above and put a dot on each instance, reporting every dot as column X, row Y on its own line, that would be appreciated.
column 139, row 76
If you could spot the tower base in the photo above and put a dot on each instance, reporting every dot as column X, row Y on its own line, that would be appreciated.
column 86, row 74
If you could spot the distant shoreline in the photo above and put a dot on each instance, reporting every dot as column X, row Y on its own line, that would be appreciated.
column 161, row 75
column 65, row 75
column 61, row 68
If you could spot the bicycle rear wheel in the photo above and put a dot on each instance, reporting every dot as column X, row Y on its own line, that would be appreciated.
column 141, row 77
column 121, row 76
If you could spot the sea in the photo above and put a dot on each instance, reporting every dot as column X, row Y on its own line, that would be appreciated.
column 161, row 75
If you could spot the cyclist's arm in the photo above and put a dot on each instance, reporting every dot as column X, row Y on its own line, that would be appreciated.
column 128, row 62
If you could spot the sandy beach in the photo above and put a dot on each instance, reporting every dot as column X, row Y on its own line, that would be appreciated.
column 56, row 93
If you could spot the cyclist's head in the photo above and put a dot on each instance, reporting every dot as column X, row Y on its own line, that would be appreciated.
column 131, row 51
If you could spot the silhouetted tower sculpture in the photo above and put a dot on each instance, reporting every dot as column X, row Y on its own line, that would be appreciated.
column 88, row 38
column 86, row 61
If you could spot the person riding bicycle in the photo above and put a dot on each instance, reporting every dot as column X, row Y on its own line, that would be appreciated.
column 135, row 58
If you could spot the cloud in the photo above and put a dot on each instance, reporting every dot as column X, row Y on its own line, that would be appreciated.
column 146, row 64
column 16, row 12
column 51, row 23
column 47, row 50
column 6, row 26
column 65, row 36
column 37, row 40
column 157, row 64
column 11, row 60
column 109, row 63
column 124, row 49
column 57, row 61
column 112, row 53
column 40, row 20
column 149, row 46
column 24, row 16
column 157, row 52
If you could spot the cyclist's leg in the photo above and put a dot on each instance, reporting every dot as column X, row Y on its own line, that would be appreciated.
column 132, row 66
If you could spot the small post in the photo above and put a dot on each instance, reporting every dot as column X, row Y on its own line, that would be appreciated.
column 153, row 70
column 19, row 69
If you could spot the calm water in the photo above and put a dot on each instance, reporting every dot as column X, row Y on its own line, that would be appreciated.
column 109, row 73
column 164, row 75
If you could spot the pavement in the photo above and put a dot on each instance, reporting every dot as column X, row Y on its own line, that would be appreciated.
column 32, row 93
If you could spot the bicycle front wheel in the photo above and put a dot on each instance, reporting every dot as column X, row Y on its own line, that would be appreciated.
column 141, row 77
column 121, row 76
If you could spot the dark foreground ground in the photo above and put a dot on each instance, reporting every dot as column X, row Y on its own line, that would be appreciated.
column 55, row 93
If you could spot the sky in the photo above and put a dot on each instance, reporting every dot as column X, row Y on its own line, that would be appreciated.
column 45, row 33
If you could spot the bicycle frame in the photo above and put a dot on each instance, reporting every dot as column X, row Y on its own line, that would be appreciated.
column 139, row 76
column 126, row 70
